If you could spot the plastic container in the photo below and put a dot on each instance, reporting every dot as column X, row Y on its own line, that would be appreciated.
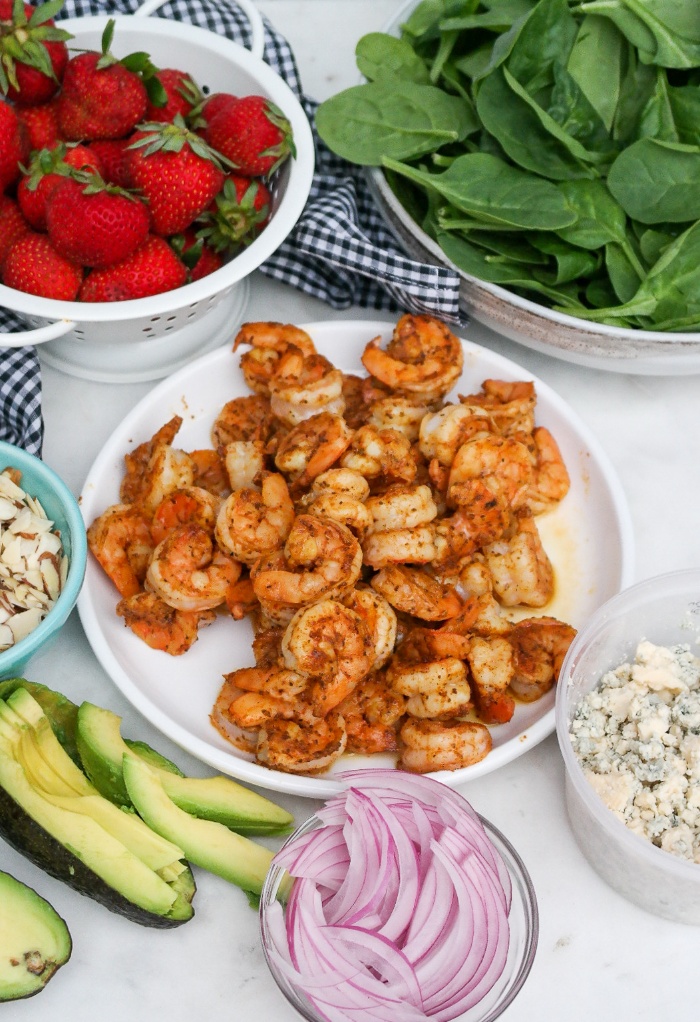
column 61, row 507
column 149, row 338
column 666, row 611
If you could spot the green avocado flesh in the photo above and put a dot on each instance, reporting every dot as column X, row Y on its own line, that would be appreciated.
column 219, row 799
column 206, row 843
column 34, row 940
column 51, row 813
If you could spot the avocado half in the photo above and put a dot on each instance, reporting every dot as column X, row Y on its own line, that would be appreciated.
column 34, row 940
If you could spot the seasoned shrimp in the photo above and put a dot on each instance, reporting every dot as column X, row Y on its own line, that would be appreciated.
column 380, row 454
column 341, row 481
column 442, row 433
column 398, row 413
column 120, row 540
column 437, row 689
column 243, row 418
column 328, row 643
column 312, row 447
column 429, row 745
column 400, row 546
column 510, row 405
column 252, row 523
column 264, row 696
column 356, row 406
column 209, row 472
column 551, row 482
column 379, row 619
column 268, row 341
column 423, row 358
column 168, row 469
column 136, row 461
column 414, row 592
column 302, row 747
column 480, row 518
column 244, row 461
column 539, row 647
column 241, row 599
column 349, row 511
column 491, row 667
column 160, row 626
column 322, row 560
column 402, row 507
column 372, row 713
column 192, row 504
column 521, row 571
column 305, row 385
column 502, row 463
column 188, row 572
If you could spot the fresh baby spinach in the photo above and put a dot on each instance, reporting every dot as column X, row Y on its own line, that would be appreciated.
column 549, row 146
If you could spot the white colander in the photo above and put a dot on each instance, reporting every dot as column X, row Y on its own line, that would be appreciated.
column 148, row 338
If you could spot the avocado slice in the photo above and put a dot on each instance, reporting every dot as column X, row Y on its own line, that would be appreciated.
column 206, row 843
column 50, row 812
column 219, row 798
column 62, row 713
column 34, row 940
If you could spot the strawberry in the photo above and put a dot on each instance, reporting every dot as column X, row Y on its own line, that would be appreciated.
column 114, row 160
column 41, row 123
column 93, row 223
column 33, row 52
column 200, row 115
column 176, row 172
column 12, row 226
column 45, row 170
column 150, row 270
column 237, row 215
column 181, row 96
column 33, row 265
column 253, row 134
column 14, row 146
column 200, row 259
column 103, row 97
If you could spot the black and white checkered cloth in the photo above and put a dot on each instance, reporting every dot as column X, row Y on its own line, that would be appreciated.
column 340, row 250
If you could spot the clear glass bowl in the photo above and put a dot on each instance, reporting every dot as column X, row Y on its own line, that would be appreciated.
column 666, row 611
column 523, row 920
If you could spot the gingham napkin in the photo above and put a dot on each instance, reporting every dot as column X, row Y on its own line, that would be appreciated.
column 340, row 250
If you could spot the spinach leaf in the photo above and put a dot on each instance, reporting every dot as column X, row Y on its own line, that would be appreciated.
column 666, row 32
column 599, row 218
column 491, row 190
column 657, row 118
column 622, row 274
column 570, row 263
column 379, row 55
column 636, row 88
column 499, row 17
column 685, row 108
column 572, row 111
column 656, row 181
column 398, row 119
column 599, row 44
column 546, row 37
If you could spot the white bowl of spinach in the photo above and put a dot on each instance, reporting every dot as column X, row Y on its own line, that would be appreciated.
column 550, row 152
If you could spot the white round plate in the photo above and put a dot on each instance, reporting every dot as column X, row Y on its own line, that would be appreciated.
column 588, row 538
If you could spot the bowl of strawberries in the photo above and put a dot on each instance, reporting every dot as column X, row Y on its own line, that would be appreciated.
column 147, row 168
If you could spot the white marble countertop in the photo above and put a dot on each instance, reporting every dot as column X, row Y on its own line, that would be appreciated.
column 598, row 957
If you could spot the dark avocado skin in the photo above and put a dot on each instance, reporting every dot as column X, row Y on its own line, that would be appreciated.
column 32, row 841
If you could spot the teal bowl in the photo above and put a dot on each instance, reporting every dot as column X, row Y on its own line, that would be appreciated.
column 62, row 508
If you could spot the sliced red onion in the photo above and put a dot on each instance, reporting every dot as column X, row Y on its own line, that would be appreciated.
column 399, row 909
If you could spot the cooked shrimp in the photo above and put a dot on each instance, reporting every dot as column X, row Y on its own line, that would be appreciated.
column 269, row 341
column 380, row 454
column 342, row 481
column 502, row 463
column 520, row 568
column 349, row 511
column 136, row 461
column 120, row 540
column 264, row 695
column 168, row 469
column 312, row 447
column 252, row 523
column 328, row 643
column 241, row 599
column 510, row 405
column 437, row 689
column 302, row 747
column 243, row 418
column 539, row 647
column 279, row 682
column 442, row 433
column 414, row 592
column 491, row 667
column 372, row 713
column 244, row 461
column 305, row 385
column 423, row 358
column 400, row 546
column 402, row 507
column 322, row 560
column 435, row 745
column 188, row 572
column 160, row 626
column 398, row 413
column 379, row 619
column 480, row 518
column 356, row 406
column 191, row 504
column 551, row 483
column 209, row 472
column 243, row 738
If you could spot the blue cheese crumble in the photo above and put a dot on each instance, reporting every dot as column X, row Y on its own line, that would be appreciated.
column 637, row 738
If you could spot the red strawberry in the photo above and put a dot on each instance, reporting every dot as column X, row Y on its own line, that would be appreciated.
column 12, row 226
column 46, row 168
column 102, row 97
column 201, row 115
column 181, row 95
column 176, row 172
column 33, row 265
column 41, row 123
column 114, row 160
column 237, row 215
column 150, row 270
column 33, row 52
column 200, row 259
column 93, row 223
column 14, row 146
column 253, row 134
